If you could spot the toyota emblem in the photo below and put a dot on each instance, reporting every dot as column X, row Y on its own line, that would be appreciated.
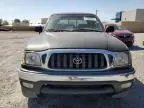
column 77, row 60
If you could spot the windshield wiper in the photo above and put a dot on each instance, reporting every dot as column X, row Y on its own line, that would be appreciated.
column 87, row 29
column 58, row 30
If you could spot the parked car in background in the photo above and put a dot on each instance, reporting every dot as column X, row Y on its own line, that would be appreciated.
column 122, row 34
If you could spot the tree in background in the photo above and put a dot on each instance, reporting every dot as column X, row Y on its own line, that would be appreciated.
column 25, row 21
column 17, row 21
column 5, row 22
column 0, row 22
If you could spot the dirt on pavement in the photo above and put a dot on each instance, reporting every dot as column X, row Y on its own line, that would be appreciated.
column 11, row 49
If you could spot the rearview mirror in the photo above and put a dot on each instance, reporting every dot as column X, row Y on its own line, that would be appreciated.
column 109, row 29
column 39, row 29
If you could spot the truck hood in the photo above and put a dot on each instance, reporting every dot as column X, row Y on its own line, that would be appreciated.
column 81, row 40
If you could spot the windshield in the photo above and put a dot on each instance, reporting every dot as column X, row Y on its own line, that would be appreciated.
column 71, row 23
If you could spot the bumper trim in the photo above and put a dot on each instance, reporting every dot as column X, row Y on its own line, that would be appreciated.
column 34, row 77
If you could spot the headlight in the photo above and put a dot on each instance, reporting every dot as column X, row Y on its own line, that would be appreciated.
column 32, row 58
column 121, row 59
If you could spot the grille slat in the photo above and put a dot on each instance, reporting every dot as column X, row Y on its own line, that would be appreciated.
column 95, row 61
column 52, row 61
column 83, row 58
column 89, row 61
column 77, row 61
column 65, row 61
column 102, row 61
column 58, row 59
column 70, row 61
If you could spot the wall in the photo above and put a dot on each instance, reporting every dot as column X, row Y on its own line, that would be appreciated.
column 129, row 15
column 140, row 15
column 20, row 24
column 134, row 26
column 23, row 28
column 19, row 28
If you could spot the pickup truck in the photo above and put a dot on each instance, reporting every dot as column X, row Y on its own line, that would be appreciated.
column 74, row 55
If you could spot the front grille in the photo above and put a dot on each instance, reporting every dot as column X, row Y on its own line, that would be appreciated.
column 77, row 61
column 124, row 36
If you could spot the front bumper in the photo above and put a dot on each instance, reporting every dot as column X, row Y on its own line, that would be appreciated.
column 119, row 76
column 73, row 84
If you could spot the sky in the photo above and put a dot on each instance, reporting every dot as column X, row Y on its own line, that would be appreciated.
column 34, row 10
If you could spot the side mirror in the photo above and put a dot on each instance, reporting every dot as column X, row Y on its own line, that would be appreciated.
column 109, row 29
column 39, row 29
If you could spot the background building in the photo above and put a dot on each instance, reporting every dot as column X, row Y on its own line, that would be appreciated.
column 133, row 15
column 132, row 20
column 118, row 16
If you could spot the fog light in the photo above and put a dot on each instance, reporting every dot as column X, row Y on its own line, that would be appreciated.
column 28, row 85
column 126, row 85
